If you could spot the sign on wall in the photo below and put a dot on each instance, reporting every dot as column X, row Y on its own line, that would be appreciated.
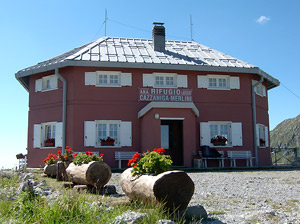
column 165, row 95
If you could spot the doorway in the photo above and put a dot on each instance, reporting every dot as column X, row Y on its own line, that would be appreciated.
column 172, row 140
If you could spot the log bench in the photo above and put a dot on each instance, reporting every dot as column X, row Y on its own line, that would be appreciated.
column 234, row 155
column 123, row 156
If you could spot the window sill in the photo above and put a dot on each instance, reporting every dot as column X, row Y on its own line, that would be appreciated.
column 46, row 90
column 216, row 88
column 49, row 147
column 108, row 146
column 98, row 85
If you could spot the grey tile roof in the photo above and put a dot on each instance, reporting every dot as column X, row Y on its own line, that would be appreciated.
column 133, row 52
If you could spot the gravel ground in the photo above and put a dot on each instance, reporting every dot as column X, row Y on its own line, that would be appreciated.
column 245, row 196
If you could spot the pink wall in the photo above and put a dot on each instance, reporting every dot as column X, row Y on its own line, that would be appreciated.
column 121, row 103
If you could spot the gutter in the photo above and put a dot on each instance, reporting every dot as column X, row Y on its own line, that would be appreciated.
column 64, row 109
column 254, row 119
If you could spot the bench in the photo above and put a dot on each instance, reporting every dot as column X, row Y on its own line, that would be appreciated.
column 123, row 156
column 220, row 159
column 234, row 155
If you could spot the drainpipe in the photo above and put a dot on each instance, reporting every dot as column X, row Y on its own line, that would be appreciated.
column 64, row 110
column 254, row 119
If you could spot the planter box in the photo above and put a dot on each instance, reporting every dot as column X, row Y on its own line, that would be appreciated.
column 107, row 143
column 49, row 144
column 172, row 188
column 219, row 144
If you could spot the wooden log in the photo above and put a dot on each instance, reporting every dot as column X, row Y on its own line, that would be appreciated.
column 51, row 170
column 94, row 173
column 173, row 188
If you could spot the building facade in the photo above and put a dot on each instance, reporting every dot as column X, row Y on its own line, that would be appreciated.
column 145, row 94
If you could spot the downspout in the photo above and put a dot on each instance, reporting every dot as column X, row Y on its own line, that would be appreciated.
column 254, row 119
column 64, row 110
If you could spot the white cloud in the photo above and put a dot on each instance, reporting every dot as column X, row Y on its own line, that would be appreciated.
column 263, row 20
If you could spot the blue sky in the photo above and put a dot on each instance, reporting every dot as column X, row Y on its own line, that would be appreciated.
column 264, row 33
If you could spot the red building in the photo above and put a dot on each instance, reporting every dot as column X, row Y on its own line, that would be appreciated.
column 145, row 94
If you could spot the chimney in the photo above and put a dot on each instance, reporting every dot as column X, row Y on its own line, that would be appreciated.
column 159, row 36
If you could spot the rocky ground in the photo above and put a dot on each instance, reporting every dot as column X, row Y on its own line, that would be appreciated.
column 245, row 196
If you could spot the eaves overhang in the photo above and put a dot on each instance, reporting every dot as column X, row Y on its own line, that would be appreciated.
column 23, row 75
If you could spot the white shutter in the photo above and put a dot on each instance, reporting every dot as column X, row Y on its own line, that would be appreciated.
column 204, row 133
column 257, row 135
column 126, row 79
column 237, row 134
column 58, row 134
column 38, row 85
column 202, row 81
column 53, row 81
column 37, row 131
column 267, row 136
column 90, row 78
column 234, row 83
column 126, row 133
column 89, row 133
column 148, row 80
column 182, row 81
column 264, row 90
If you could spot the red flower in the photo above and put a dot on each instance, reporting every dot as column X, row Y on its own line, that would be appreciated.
column 159, row 151
column 66, row 157
column 69, row 149
column 75, row 155
column 101, row 155
column 59, row 152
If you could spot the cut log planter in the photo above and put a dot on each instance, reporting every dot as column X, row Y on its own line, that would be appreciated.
column 173, row 188
column 95, row 173
column 51, row 170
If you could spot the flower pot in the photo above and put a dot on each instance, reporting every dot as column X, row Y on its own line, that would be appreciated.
column 172, row 188
column 94, row 173
column 107, row 143
column 51, row 144
column 51, row 170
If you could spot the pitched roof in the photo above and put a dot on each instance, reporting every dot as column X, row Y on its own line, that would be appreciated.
column 139, row 53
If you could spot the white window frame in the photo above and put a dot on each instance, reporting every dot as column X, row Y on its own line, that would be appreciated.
column 218, row 79
column 107, row 123
column 110, row 76
column 235, row 136
column 262, row 132
column 47, row 83
column 165, row 77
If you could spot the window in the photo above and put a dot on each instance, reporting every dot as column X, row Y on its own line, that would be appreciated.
column 165, row 80
column 232, row 131
column 46, row 83
column 47, row 135
column 108, row 79
column 107, row 129
column 116, row 131
column 262, row 136
column 218, row 82
column 260, row 89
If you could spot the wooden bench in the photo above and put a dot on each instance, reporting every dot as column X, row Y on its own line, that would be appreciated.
column 234, row 155
column 123, row 156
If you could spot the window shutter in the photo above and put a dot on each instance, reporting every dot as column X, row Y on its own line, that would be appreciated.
column 264, row 90
column 126, row 133
column 182, row 81
column 90, row 78
column 126, row 79
column 53, row 81
column 204, row 133
column 148, row 80
column 237, row 134
column 202, row 81
column 257, row 135
column 58, row 134
column 37, row 131
column 89, row 133
column 38, row 85
column 234, row 83
column 267, row 136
